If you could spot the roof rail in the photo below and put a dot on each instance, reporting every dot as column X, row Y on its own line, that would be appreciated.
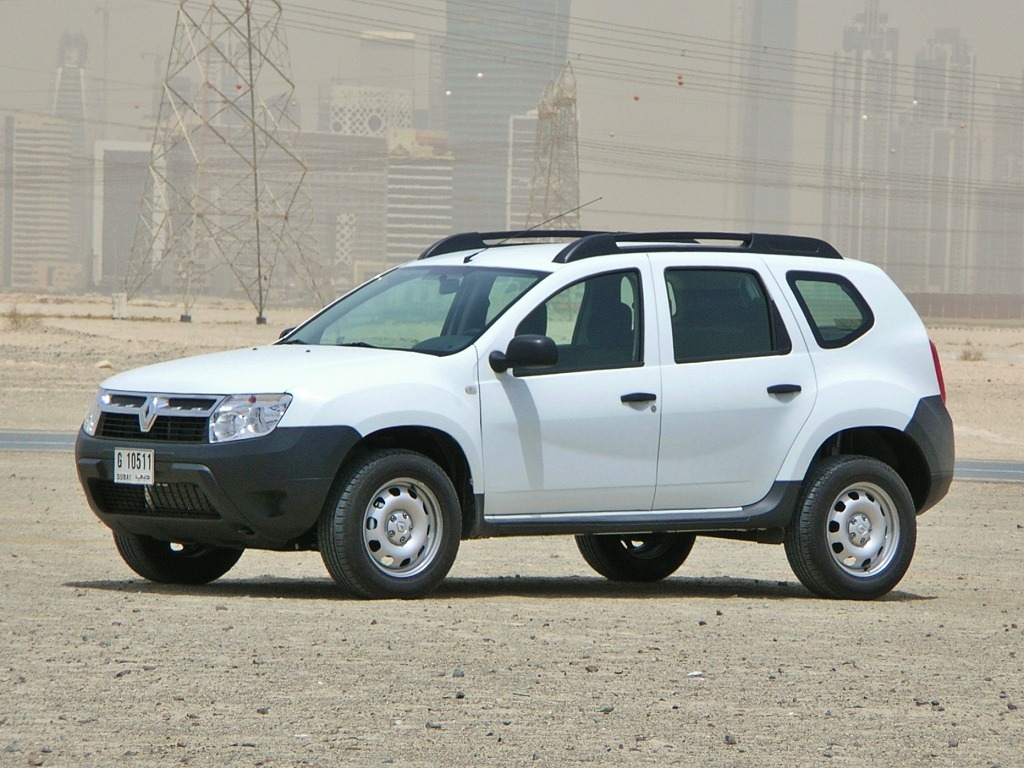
column 605, row 243
column 470, row 241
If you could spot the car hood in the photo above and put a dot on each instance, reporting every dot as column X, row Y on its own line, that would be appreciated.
column 272, row 369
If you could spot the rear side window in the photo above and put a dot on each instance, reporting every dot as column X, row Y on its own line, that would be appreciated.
column 722, row 313
column 834, row 308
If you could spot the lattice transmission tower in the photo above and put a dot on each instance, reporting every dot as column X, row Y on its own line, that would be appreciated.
column 555, row 188
column 224, row 203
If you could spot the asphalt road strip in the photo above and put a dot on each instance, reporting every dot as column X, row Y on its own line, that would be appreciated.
column 1000, row 471
column 965, row 469
column 37, row 441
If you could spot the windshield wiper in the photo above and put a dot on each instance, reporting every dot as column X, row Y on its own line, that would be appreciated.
column 292, row 341
column 363, row 344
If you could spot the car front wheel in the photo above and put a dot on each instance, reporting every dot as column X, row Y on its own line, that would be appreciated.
column 170, row 563
column 391, row 527
column 854, row 531
column 643, row 557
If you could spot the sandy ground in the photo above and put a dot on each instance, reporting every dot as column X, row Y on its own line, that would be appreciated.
column 524, row 656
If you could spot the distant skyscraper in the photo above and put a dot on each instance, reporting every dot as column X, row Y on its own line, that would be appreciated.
column 37, row 205
column 999, row 245
column 400, row 61
column 931, row 171
column 499, row 59
column 415, row 187
column 70, row 104
column 419, row 194
column 387, row 59
column 858, row 137
column 364, row 110
column 122, row 168
column 347, row 180
column 69, row 94
column 766, row 114
column 522, row 151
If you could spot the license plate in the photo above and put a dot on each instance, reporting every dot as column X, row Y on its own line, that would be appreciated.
column 133, row 466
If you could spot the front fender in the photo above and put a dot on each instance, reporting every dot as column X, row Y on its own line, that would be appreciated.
column 455, row 413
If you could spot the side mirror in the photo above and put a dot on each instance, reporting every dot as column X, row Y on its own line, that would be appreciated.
column 285, row 332
column 530, row 350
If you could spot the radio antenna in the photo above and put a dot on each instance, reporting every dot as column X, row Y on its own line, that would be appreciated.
column 559, row 216
column 522, row 232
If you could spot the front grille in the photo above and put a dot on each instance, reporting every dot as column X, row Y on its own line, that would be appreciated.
column 126, row 401
column 180, row 500
column 170, row 429
column 174, row 418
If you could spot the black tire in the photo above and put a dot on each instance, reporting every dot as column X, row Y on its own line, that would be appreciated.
column 854, row 531
column 170, row 563
column 391, row 527
column 644, row 557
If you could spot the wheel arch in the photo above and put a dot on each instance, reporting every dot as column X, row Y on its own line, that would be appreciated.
column 889, row 446
column 436, row 445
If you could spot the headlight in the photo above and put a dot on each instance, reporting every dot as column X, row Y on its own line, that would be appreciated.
column 92, row 418
column 239, row 417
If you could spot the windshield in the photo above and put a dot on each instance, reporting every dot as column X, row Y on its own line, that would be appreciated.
column 432, row 309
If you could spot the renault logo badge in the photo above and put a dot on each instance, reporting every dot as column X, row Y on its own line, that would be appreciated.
column 149, row 412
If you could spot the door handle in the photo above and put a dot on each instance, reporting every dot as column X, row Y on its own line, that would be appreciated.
column 639, row 397
column 783, row 389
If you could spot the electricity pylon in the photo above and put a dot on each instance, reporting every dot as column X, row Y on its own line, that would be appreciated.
column 224, row 188
column 555, row 189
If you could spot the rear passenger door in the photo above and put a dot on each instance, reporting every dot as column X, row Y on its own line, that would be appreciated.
column 737, row 382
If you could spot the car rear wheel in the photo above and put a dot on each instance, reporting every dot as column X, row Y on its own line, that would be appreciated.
column 168, row 562
column 391, row 527
column 854, row 531
column 643, row 557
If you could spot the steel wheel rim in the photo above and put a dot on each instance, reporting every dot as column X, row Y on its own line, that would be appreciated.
column 402, row 528
column 863, row 530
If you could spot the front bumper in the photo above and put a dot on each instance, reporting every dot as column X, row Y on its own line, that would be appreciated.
column 263, row 493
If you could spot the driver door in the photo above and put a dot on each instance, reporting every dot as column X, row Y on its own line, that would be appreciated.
column 581, row 436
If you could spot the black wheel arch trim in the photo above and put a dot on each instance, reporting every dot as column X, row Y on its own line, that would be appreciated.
column 931, row 429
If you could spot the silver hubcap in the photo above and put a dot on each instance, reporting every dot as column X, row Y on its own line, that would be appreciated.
column 863, row 530
column 402, row 527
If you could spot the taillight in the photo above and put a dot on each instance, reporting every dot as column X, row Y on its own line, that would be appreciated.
column 938, row 371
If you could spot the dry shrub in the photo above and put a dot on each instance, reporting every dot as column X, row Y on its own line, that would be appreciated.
column 971, row 353
column 20, row 321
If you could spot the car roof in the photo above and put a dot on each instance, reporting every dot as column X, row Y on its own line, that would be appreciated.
column 474, row 246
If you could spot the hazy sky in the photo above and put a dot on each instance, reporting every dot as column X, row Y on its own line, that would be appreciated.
column 656, row 153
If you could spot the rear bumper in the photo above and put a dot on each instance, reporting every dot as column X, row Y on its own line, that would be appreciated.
column 932, row 429
column 264, row 493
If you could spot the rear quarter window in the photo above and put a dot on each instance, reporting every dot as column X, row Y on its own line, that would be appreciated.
column 834, row 308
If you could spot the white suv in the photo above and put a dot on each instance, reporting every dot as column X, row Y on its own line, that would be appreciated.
column 632, row 389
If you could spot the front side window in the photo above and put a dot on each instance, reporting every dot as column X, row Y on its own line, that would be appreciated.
column 834, row 308
column 722, row 313
column 431, row 309
column 595, row 323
